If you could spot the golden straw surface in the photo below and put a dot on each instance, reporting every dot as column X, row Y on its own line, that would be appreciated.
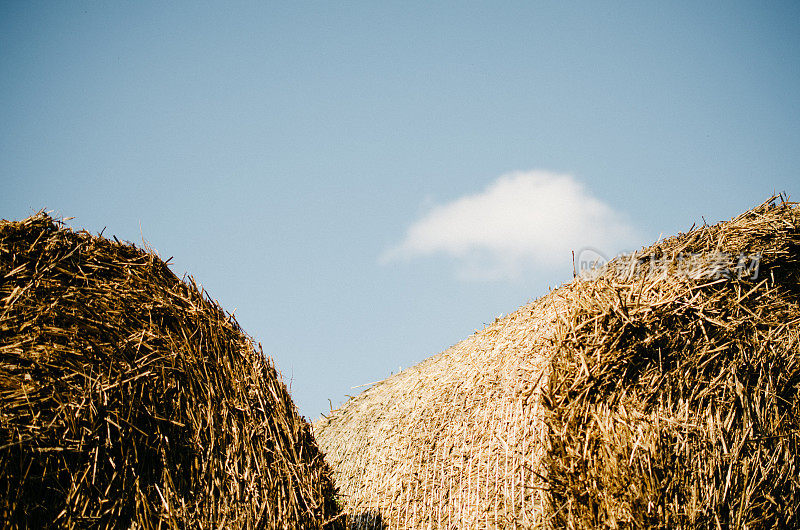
column 455, row 441
column 662, row 391
column 129, row 399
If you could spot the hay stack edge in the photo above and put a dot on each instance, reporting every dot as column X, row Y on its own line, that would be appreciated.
column 129, row 399
column 660, row 391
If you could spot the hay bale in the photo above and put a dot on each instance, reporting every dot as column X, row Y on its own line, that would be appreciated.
column 130, row 399
column 453, row 441
column 662, row 392
column 674, row 396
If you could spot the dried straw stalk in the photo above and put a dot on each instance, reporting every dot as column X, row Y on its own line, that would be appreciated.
column 130, row 399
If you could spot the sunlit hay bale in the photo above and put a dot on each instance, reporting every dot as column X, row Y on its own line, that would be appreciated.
column 660, row 392
column 130, row 399
column 454, row 441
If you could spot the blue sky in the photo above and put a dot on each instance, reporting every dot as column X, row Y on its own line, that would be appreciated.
column 367, row 183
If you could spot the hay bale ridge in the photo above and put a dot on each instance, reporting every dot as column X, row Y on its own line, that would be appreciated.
column 128, row 398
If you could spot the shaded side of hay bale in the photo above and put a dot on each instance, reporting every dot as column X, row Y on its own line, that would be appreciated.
column 674, row 396
column 130, row 398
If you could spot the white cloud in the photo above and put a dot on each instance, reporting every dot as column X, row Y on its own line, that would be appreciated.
column 521, row 221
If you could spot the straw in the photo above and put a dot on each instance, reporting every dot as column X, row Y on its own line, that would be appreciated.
column 673, row 399
column 128, row 398
column 450, row 442
column 660, row 391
